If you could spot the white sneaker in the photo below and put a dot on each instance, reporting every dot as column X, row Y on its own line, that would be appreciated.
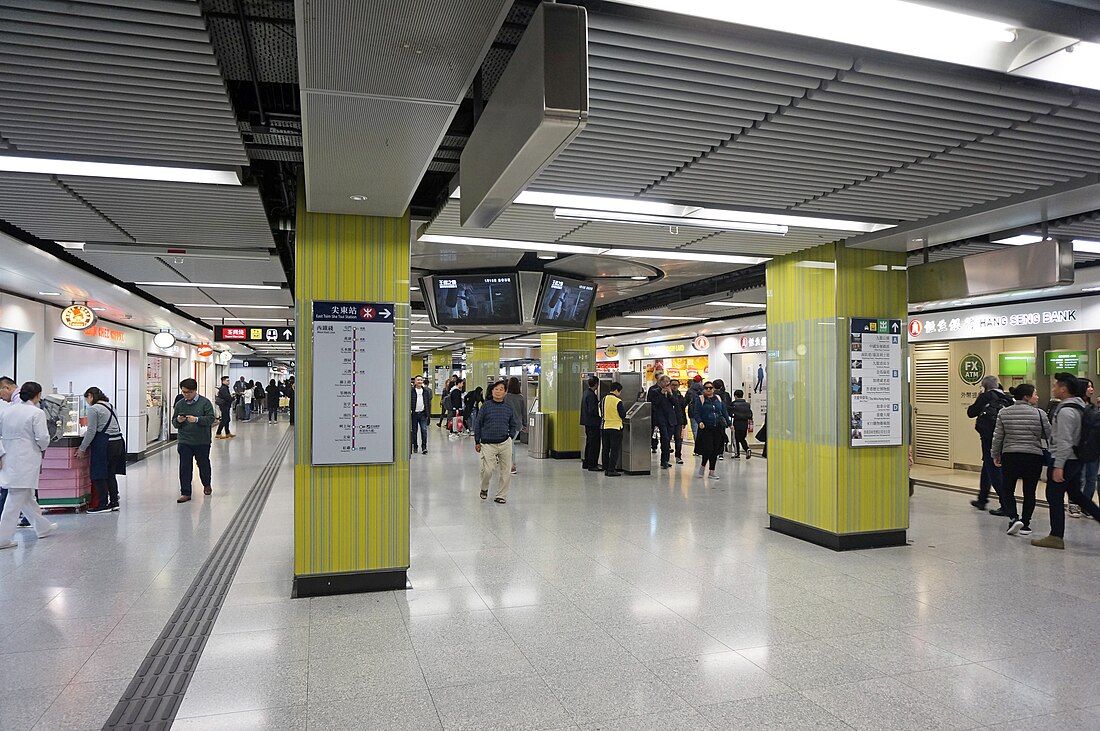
column 700, row 472
column 1073, row 510
column 1016, row 527
column 714, row 476
column 49, row 531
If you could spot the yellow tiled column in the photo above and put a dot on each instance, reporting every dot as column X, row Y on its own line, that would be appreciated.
column 565, row 356
column 351, row 522
column 482, row 361
column 820, row 488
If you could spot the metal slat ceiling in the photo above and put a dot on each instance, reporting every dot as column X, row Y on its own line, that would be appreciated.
column 729, row 120
column 40, row 205
column 521, row 223
column 95, row 79
column 180, row 213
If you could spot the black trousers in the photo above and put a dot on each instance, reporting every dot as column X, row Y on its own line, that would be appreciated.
column 678, row 440
column 708, row 445
column 1020, row 466
column 740, row 441
column 1057, row 492
column 665, row 435
column 189, row 455
column 612, row 449
column 990, row 478
column 224, row 423
column 591, row 458
column 106, row 490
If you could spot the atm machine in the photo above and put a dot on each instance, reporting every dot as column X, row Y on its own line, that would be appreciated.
column 637, row 430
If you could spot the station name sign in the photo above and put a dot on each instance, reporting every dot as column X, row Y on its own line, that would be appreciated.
column 253, row 334
column 1069, row 315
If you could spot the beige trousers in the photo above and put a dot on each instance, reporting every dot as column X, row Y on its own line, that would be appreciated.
column 497, row 457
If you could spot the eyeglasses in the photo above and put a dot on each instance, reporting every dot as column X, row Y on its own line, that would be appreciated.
column 708, row 388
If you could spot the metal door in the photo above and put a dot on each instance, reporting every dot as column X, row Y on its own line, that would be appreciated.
column 932, row 405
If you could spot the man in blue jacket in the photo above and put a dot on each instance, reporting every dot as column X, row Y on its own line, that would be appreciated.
column 495, row 426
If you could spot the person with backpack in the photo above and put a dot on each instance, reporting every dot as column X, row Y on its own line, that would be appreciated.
column 1075, row 439
column 103, row 441
column 741, row 411
column 681, row 421
column 713, row 420
column 1018, row 449
column 727, row 401
column 1089, row 468
column 984, row 412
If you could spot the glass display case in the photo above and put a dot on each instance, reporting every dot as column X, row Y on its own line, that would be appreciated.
column 77, row 421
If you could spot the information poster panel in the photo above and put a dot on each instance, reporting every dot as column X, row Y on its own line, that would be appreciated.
column 875, row 383
column 353, row 372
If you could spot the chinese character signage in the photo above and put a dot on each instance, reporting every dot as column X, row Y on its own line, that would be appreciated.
column 78, row 317
column 875, row 383
column 253, row 334
column 353, row 372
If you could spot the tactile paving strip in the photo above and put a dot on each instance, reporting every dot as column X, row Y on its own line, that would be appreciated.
column 153, row 697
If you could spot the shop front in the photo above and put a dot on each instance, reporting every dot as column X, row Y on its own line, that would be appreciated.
column 951, row 351
column 743, row 357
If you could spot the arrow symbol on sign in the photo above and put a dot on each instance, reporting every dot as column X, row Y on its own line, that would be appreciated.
column 384, row 313
column 894, row 327
column 288, row 333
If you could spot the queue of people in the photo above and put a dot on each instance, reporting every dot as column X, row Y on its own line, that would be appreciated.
column 1024, row 439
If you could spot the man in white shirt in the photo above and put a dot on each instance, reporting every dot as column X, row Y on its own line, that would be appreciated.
column 8, row 388
column 420, row 412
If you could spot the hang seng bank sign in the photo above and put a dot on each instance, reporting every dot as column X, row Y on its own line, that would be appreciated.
column 1057, row 316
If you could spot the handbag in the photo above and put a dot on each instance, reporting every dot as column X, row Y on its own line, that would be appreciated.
column 762, row 435
column 1044, row 442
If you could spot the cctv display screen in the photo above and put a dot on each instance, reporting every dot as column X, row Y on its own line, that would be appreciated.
column 483, row 299
column 565, row 302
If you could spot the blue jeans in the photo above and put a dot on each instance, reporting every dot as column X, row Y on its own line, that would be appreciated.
column 991, row 474
column 189, row 454
column 419, row 421
column 247, row 410
column 1088, row 479
column 1057, row 492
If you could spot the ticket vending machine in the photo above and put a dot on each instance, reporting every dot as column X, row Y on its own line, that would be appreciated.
column 637, row 429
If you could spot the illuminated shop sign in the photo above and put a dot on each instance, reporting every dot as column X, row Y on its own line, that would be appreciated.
column 1068, row 315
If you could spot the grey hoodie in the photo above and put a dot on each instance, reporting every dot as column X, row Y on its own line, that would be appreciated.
column 1066, row 431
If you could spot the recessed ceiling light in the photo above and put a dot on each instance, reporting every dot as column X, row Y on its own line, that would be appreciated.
column 547, row 255
column 100, row 309
column 357, row 197
column 657, row 317
column 640, row 279
column 72, row 245
column 208, row 285
column 414, row 288
column 49, row 294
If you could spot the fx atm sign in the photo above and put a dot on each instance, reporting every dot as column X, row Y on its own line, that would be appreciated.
column 250, row 334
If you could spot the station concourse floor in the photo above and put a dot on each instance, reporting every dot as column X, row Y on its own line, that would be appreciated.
column 657, row 602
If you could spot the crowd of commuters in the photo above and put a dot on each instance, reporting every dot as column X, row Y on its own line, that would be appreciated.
column 1019, row 440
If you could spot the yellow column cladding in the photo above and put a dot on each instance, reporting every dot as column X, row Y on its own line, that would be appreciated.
column 350, row 519
column 565, row 356
column 482, row 361
column 815, row 479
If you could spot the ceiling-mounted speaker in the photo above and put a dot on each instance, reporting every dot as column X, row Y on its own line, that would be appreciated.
column 538, row 106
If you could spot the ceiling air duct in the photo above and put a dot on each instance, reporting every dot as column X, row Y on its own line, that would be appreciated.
column 539, row 105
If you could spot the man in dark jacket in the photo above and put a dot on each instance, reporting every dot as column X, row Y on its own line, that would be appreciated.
column 664, row 416
column 741, row 411
column 681, row 421
column 991, row 399
column 193, row 415
column 695, row 390
column 224, row 400
column 590, row 420
column 420, row 411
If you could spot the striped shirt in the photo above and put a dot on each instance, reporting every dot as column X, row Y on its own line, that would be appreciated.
column 495, row 423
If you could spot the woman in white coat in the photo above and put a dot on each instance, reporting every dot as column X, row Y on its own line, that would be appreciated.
column 23, row 439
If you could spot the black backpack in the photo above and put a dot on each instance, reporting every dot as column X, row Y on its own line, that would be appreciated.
column 1088, row 443
column 986, row 422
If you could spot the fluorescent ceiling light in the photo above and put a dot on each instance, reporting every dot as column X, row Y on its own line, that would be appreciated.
column 656, row 208
column 1021, row 240
column 414, row 288
column 888, row 25
column 289, row 321
column 688, row 256
column 1084, row 246
column 657, row 317
column 649, row 219
column 71, row 245
column 240, row 307
column 674, row 254
column 735, row 304
column 53, row 166
column 208, row 285
column 49, row 294
column 614, row 327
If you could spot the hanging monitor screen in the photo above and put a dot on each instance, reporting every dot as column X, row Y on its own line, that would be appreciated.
column 565, row 303
column 481, row 299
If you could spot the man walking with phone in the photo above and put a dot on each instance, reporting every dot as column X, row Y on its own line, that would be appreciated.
column 193, row 415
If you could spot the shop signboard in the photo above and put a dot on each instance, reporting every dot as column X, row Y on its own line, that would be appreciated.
column 1071, row 314
column 78, row 317
column 253, row 334
column 1016, row 364
column 352, row 393
column 1065, row 361
column 875, row 358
